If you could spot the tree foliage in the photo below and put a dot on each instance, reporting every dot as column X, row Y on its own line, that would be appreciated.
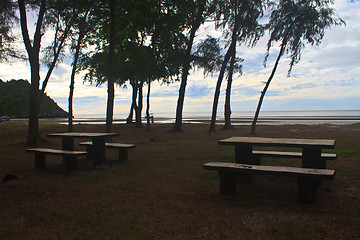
column 149, row 45
column 8, row 19
column 239, row 21
column 294, row 23
column 154, row 41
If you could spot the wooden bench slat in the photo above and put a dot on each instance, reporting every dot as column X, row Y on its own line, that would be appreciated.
column 279, row 142
column 275, row 170
column 308, row 179
column 328, row 156
column 69, row 157
column 56, row 151
column 122, row 147
column 113, row 145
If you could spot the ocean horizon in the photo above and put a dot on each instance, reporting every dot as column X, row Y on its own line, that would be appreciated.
column 237, row 117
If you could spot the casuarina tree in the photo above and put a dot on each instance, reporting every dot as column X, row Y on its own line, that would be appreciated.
column 46, row 12
column 239, row 21
column 294, row 23
column 83, row 25
column 111, row 67
column 196, row 18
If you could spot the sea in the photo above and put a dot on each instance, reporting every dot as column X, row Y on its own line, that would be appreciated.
column 237, row 118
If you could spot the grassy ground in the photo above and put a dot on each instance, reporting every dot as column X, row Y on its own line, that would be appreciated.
column 162, row 192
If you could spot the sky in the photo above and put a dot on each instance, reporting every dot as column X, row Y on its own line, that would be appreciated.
column 326, row 78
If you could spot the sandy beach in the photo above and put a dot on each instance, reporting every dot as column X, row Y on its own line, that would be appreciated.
column 162, row 192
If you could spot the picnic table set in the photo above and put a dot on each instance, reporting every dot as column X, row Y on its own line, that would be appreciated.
column 95, row 149
column 247, row 160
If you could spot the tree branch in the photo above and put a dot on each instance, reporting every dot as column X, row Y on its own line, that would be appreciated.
column 24, row 28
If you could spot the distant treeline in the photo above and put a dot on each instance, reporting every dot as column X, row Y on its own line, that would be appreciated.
column 14, row 101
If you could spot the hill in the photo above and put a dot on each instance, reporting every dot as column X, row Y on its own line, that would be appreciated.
column 14, row 101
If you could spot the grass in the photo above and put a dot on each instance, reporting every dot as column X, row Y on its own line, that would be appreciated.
column 162, row 192
column 104, row 218
column 167, row 161
column 206, row 176
column 294, row 233
column 349, row 147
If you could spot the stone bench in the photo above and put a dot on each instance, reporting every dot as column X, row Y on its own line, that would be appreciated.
column 325, row 156
column 308, row 179
column 123, row 148
column 70, row 162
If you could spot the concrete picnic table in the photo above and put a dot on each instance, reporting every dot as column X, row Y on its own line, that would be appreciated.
column 311, row 148
column 98, row 140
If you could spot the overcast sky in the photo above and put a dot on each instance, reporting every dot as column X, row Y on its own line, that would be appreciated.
column 327, row 78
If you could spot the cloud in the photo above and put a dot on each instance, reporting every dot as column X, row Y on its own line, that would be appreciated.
column 199, row 92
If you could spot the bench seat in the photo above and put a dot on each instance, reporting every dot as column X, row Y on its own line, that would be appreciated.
column 308, row 179
column 70, row 157
column 123, row 148
column 272, row 170
column 325, row 156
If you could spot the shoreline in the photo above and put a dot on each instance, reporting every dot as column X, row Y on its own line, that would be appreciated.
column 238, row 118
column 335, row 120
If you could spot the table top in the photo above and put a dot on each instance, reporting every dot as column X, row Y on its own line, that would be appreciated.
column 82, row 134
column 278, row 142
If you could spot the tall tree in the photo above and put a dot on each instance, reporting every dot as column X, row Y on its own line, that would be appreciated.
column 229, row 53
column 129, row 119
column 84, row 24
column 196, row 20
column 227, row 107
column 148, row 107
column 208, row 56
column 249, row 33
column 111, row 64
column 33, row 51
column 46, row 12
column 292, row 23
column 241, row 18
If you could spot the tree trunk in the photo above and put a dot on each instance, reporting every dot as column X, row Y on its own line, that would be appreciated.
column 253, row 126
column 129, row 119
column 148, row 107
column 111, row 62
column 139, row 106
column 228, row 54
column 218, row 86
column 33, row 128
column 186, row 66
column 33, row 54
column 227, row 110
column 72, row 79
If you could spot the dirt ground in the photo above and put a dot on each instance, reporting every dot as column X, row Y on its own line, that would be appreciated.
column 162, row 192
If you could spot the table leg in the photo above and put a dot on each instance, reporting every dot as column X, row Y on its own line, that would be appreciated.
column 40, row 160
column 227, row 182
column 67, row 144
column 243, row 155
column 98, row 151
column 307, row 187
column 311, row 158
column 70, row 163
